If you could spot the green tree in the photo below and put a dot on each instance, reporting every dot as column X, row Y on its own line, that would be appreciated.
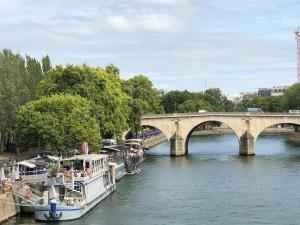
column 214, row 97
column 34, row 75
column 112, row 69
column 173, row 99
column 13, row 91
column 292, row 97
column 137, row 107
column 96, row 85
column 194, row 106
column 145, row 99
column 260, row 102
column 243, row 105
column 46, row 64
column 275, row 103
column 140, row 87
column 227, row 104
column 59, row 123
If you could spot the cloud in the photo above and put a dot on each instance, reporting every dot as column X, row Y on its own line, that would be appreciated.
column 163, row 2
column 147, row 22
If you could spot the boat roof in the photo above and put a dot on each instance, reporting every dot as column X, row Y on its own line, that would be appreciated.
column 46, row 158
column 27, row 164
column 134, row 140
column 86, row 157
column 111, row 149
column 114, row 148
column 132, row 143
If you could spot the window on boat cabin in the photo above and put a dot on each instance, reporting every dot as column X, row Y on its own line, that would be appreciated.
column 77, row 188
column 76, row 164
column 87, row 165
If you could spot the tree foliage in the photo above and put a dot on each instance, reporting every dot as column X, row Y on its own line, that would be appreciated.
column 46, row 64
column 173, row 99
column 194, row 106
column 144, row 99
column 96, row 85
column 59, row 123
column 13, row 89
column 112, row 70
column 185, row 101
column 292, row 97
column 34, row 75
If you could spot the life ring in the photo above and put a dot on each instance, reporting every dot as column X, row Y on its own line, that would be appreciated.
column 28, row 193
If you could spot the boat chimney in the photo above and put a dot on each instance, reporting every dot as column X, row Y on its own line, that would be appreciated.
column 85, row 148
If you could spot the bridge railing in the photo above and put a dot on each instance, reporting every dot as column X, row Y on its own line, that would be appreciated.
column 260, row 114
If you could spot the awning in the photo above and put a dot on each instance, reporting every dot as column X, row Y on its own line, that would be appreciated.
column 27, row 164
column 110, row 149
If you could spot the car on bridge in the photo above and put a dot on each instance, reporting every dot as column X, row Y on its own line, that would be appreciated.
column 255, row 110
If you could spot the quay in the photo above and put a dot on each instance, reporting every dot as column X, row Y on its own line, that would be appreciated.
column 9, row 206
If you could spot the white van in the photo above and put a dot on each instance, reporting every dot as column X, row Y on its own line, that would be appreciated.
column 294, row 111
column 255, row 110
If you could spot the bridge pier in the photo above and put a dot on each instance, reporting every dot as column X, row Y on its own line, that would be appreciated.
column 247, row 144
column 177, row 145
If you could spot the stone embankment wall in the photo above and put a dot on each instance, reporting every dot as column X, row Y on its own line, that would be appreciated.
column 8, row 206
column 294, row 137
column 154, row 140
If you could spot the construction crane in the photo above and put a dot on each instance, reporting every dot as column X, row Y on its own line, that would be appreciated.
column 297, row 32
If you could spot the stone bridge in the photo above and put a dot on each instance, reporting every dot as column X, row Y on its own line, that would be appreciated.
column 247, row 126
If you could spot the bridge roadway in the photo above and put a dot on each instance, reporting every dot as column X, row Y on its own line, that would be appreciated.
column 177, row 127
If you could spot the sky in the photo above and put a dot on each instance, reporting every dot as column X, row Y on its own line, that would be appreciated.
column 235, row 45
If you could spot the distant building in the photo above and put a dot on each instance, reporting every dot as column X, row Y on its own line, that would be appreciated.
column 264, row 92
column 234, row 98
column 162, row 92
column 279, row 90
column 247, row 95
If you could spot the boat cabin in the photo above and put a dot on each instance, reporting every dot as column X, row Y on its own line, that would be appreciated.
column 83, row 165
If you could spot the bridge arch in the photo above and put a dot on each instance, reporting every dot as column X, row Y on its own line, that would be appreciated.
column 165, row 129
column 267, row 124
column 188, row 135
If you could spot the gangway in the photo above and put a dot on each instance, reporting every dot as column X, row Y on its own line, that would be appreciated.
column 28, row 194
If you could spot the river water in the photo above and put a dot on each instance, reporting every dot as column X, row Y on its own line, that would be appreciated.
column 211, row 185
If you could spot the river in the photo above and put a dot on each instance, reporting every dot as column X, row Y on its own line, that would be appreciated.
column 211, row 185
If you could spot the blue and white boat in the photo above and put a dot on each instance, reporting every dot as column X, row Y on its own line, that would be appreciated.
column 81, row 183
column 33, row 170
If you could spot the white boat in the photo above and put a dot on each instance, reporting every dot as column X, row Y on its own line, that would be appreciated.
column 83, row 181
column 136, row 150
column 117, row 155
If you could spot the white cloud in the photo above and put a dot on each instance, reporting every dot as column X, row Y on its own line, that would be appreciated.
column 147, row 22
column 74, row 30
column 163, row 2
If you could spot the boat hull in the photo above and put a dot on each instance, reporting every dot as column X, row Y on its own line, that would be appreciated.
column 120, row 171
column 43, row 213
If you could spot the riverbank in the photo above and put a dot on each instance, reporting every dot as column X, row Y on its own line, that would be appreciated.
column 9, row 206
column 154, row 140
column 294, row 137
